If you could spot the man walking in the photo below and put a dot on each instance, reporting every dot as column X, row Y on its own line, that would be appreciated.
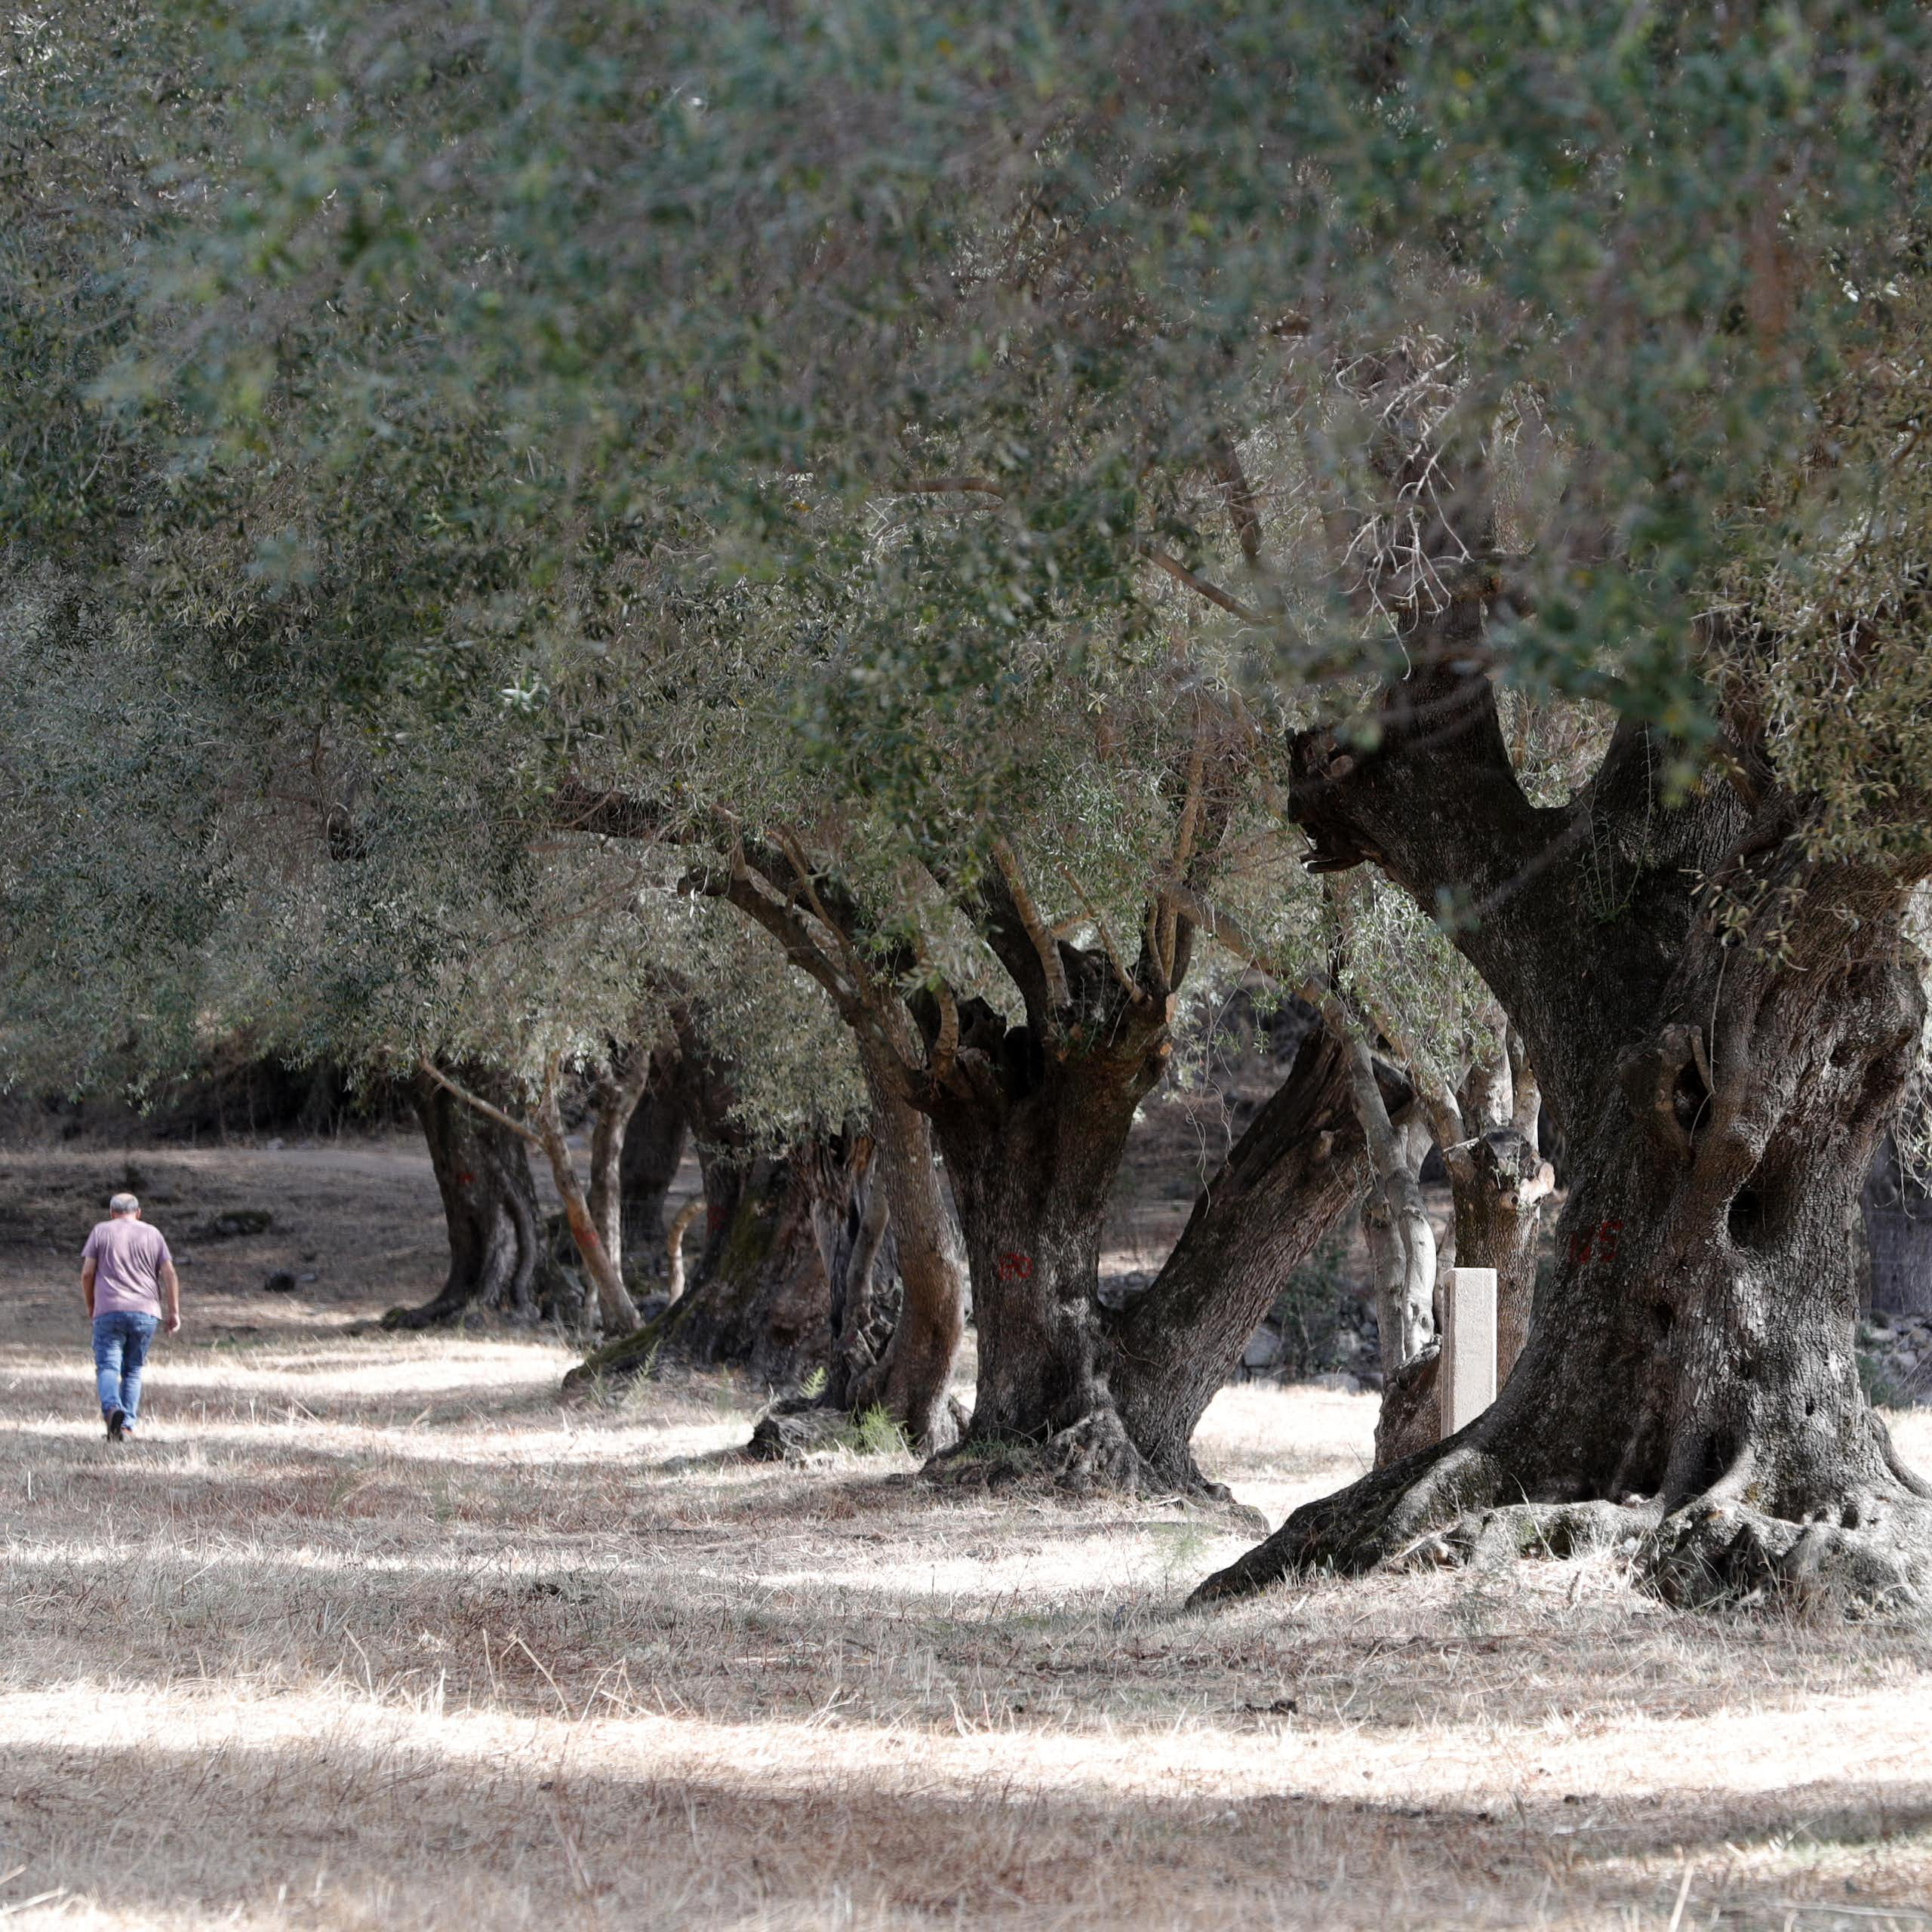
column 126, row 1271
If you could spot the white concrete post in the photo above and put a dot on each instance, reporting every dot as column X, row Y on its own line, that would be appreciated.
column 1467, row 1380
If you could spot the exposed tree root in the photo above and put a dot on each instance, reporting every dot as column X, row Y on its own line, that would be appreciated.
column 1877, row 1559
column 1870, row 1555
column 1386, row 1517
column 800, row 1428
column 797, row 1431
column 1489, row 1538
column 1094, row 1456
column 440, row 1313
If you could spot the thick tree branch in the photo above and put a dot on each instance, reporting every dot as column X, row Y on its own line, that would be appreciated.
column 1052, row 972
column 478, row 1104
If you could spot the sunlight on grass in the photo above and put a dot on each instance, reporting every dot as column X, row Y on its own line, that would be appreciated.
column 410, row 1644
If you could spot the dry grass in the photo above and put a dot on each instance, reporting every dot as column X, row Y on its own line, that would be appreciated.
column 370, row 1633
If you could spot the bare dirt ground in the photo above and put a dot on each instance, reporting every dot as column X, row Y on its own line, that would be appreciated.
column 371, row 1632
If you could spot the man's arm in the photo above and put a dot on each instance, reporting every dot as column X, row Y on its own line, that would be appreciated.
column 170, row 1290
column 87, row 1284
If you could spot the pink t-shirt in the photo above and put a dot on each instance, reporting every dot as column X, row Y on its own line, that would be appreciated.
column 127, row 1256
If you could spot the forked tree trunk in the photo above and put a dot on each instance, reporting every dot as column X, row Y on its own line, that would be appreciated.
column 1114, row 1398
column 1690, row 1370
column 617, row 1312
column 490, row 1207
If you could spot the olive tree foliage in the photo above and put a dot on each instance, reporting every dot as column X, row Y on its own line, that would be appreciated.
column 952, row 355
column 106, row 909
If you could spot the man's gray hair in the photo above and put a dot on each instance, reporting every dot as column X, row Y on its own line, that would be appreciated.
column 123, row 1203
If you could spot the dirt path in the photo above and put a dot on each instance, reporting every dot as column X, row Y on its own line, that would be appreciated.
column 370, row 1633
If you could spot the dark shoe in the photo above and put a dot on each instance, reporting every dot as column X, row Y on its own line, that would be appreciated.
column 117, row 1425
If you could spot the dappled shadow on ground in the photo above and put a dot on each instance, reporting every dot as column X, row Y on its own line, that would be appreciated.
column 353, row 1815
column 380, row 1622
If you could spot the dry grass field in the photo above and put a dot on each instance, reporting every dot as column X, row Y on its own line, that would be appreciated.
column 369, row 1632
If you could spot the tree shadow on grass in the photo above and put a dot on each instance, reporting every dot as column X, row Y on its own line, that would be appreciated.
column 370, row 1819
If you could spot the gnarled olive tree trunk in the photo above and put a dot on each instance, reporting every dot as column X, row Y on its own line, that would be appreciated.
column 1720, row 1082
column 490, row 1207
column 1033, row 1122
column 1115, row 1398
column 1290, row 1178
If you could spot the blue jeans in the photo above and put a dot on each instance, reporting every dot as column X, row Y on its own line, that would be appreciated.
column 120, row 1347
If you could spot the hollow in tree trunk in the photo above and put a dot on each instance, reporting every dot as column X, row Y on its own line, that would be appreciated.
column 1690, row 1374
column 490, row 1207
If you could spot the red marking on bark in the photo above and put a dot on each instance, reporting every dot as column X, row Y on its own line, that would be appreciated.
column 463, row 1180
column 714, row 1216
column 1596, row 1244
column 1015, row 1267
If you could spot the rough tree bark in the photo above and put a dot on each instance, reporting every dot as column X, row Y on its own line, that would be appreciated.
column 489, row 1205
column 1285, row 1182
column 1720, row 1083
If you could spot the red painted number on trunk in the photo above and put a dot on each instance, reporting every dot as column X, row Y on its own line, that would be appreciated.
column 1015, row 1267
column 1596, row 1244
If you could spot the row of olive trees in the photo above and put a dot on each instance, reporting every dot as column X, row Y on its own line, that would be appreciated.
column 1007, row 506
